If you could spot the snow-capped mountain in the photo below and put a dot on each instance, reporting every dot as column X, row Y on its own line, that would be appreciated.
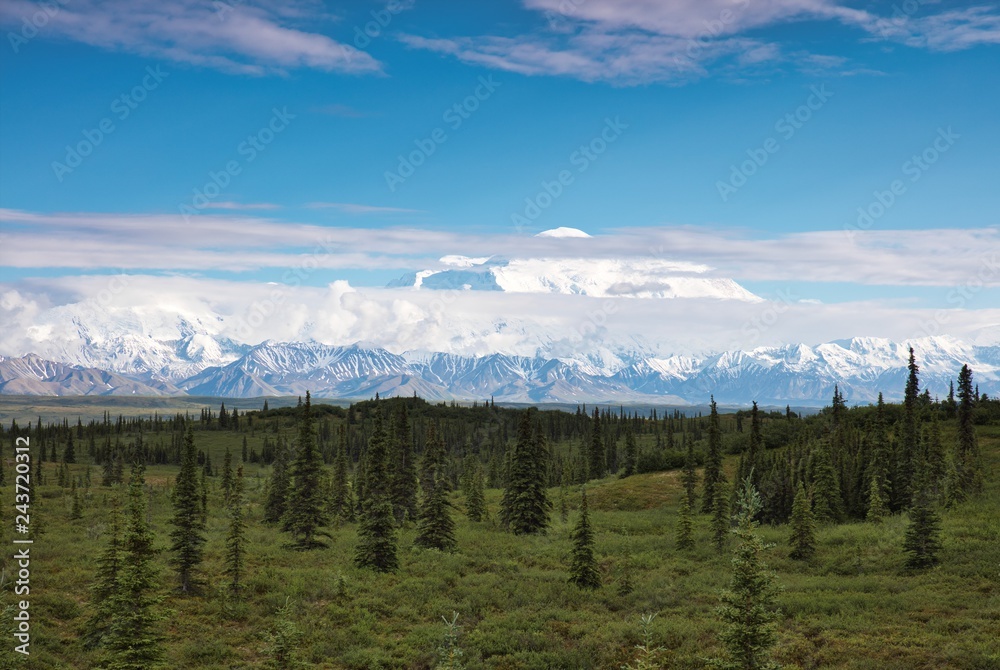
column 792, row 374
column 596, row 277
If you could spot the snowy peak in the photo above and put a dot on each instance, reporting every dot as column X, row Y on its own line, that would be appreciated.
column 597, row 277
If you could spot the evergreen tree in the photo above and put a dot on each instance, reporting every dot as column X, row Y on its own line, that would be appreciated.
column 132, row 641
column 713, row 476
column 187, row 537
column 828, row 506
column 236, row 540
column 909, row 455
column 631, row 454
column 450, row 653
column 283, row 641
column 340, row 498
column 935, row 459
column 922, row 541
column 748, row 609
column 583, row 569
column 968, row 463
column 204, row 499
column 305, row 511
column 475, row 500
column 227, row 476
column 436, row 529
column 596, row 465
column 403, row 470
column 876, row 502
column 277, row 487
column 803, row 536
column 524, row 507
column 69, row 453
column 685, row 525
column 432, row 461
column 376, row 533
column 103, row 591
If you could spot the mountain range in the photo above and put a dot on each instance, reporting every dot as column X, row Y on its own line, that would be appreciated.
column 793, row 374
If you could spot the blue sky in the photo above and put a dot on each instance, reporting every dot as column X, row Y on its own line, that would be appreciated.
column 694, row 89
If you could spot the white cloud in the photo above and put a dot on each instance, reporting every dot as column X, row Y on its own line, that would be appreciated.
column 236, row 37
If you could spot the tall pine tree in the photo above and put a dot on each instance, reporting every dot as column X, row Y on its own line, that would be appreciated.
column 236, row 539
column 376, row 547
column 403, row 470
column 524, row 508
column 713, row 476
column 583, row 570
column 803, row 536
column 305, row 513
column 188, row 535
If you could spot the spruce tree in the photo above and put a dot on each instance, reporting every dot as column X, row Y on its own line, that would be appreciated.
column 76, row 512
column 685, row 525
column 828, row 505
column 305, row 511
column 376, row 547
column 908, row 458
column 340, row 498
column 69, row 453
column 475, row 501
column 277, row 486
column 106, row 585
column 631, row 454
column 583, row 569
column 133, row 638
column 236, row 539
column 432, row 461
column 403, row 470
column 436, row 529
column 967, row 459
column 922, row 541
column 713, row 476
column 187, row 537
column 596, row 465
column 877, row 509
column 524, row 508
column 803, row 536
column 748, row 609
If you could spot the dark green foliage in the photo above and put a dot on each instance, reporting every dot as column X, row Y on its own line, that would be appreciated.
column 713, row 476
column 376, row 547
column 877, row 509
column 402, row 469
column 69, row 453
column 236, row 539
column 475, row 499
column 583, row 570
column 826, row 496
column 967, row 460
column 685, row 525
column 450, row 653
column 106, row 583
column 436, row 529
column 133, row 639
column 751, row 463
column 631, row 455
column 76, row 511
column 803, row 536
column 596, row 457
column 923, row 536
column 283, row 640
column 305, row 511
column 188, row 534
column 748, row 610
column 908, row 454
column 341, row 504
column 277, row 487
column 524, row 508
column 432, row 461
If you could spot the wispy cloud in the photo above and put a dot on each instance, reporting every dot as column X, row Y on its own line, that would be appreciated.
column 236, row 37
column 641, row 41
column 353, row 208
column 248, row 206
column 244, row 242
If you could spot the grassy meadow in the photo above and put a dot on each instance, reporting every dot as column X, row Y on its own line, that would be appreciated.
column 852, row 607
